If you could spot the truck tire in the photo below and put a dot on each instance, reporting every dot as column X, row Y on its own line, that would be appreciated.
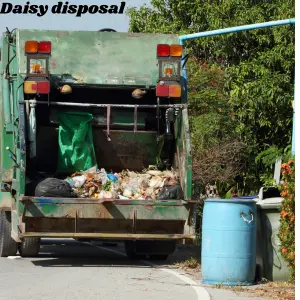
column 8, row 247
column 30, row 247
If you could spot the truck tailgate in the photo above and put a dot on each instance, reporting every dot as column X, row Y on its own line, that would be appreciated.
column 107, row 219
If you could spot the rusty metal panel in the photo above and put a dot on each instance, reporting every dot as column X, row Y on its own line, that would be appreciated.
column 102, row 225
column 106, row 211
column 59, row 201
column 126, row 150
column 115, row 58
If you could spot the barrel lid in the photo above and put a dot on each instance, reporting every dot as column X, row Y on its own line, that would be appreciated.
column 248, row 197
column 270, row 203
column 231, row 200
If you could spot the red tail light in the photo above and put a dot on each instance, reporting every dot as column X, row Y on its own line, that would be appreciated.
column 43, row 87
column 45, row 47
column 162, row 90
column 163, row 50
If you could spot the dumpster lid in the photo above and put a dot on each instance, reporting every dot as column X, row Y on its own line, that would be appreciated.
column 270, row 203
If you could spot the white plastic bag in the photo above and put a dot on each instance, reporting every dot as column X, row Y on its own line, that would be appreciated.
column 107, row 195
column 91, row 170
column 123, row 198
column 127, row 193
column 79, row 181
column 104, row 177
column 156, row 182
column 155, row 173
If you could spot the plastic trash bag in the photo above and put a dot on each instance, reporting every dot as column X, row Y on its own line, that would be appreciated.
column 103, row 176
column 156, row 182
column 70, row 182
column 155, row 173
column 112, row 177
column 127, row 193
column 107, row 195
column 79, row 181
column 171, row 193
column 75, row 140
column 123, row 197
column 53, row 187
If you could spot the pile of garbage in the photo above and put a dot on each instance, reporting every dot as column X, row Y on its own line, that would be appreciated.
column 98, row 184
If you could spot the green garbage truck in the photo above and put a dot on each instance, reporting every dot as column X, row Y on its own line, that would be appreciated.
column 132, row 87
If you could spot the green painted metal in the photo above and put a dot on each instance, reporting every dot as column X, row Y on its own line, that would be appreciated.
column 5, row 87
column 107, row 211
column 99, row 57
column 184, row 153
column 6, row 103
column 6, row 134
column 59, row 201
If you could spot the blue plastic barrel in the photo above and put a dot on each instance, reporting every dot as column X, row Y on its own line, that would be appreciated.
column 229, row 241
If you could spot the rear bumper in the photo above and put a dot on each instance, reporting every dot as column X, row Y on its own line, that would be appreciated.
column 36, row 207
column 112, row 236
column 105, row 219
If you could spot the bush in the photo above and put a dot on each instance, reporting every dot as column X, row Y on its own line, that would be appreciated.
column 216, row 147
column 287, row 216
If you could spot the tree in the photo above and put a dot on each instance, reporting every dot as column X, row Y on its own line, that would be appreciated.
column 258, row 65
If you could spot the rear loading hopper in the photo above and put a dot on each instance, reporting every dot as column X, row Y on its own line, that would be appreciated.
column 132, row 87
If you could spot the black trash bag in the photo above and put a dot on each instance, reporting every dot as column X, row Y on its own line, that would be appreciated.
column 173, row 192
column 53, row 187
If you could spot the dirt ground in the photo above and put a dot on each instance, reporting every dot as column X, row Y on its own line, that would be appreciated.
column 187, row 258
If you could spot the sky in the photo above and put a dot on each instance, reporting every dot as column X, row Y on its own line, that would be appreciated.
column 68, row 22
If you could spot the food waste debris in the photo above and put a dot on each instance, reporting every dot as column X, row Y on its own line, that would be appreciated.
column 98, row 184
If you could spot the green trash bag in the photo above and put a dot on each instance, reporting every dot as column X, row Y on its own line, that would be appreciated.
column 75, row 140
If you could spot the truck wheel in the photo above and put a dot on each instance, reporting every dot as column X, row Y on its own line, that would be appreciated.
column 158, row 257
column 30, row 247
column 8, row 247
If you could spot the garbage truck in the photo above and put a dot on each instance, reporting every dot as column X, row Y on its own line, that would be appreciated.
column 133, row 89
